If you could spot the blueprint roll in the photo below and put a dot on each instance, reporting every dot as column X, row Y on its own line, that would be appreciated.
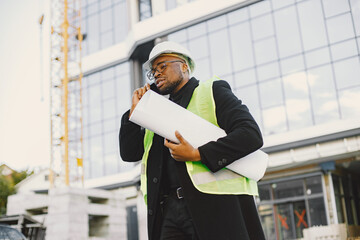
column 163, row 117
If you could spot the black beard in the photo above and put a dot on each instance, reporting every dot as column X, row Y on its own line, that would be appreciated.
column 169, row 89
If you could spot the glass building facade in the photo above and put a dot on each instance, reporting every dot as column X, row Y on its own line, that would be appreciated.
column 294, row 63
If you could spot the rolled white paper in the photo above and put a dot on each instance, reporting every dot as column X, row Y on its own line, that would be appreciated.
column 163, row 117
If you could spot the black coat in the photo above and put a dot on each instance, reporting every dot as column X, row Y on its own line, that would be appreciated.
column 215, row 216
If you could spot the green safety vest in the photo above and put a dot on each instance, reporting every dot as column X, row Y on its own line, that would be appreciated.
column 223, row 181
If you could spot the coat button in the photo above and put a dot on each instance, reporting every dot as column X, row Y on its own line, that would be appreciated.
column 155, row 180
column 220, row 163
column 150, row 212
column 224, row 160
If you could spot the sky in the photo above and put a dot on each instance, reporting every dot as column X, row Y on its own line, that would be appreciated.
column 24, row 85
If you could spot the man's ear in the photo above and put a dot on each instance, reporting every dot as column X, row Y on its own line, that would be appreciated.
column 184, row 67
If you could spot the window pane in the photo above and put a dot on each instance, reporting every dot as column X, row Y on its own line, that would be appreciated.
column 317, row 212
column 287, row 32
column 238, row 16
column 120, row 21
column 340, row 28
column 284, row 224
column 300, row 217
column 347, row 73
column 95, row 129
column 241, row 46
column 178, row 36
column 199, row 47
column 264, row 192
column 355, row 12
column 108, row 89
column 312, row 24
column 262, row 27
column 317, row 57
column 323, row 94
column 245, row 78
column 203, row 70
column 96, row 151
column 249, row 95
column 260, row 8
column 313, row 185
column 195, row 31
column 106, row 39
column 216, row 23
column 344, row 50
column 93, row 33
column 349, row 103
column 265, row 51
column 105, row 4
column 274, row 120
column 268, row 71
column 111, row 163
column 144, row 9
column 288, row 189
column 332, row 8
column 220, row 53
column 276, row 4
column 291, row 65
column 111, row 142
column 95, row 103
column 111, row 125
column 106, row 20
column 170, row 4
column 297, row 100
column 271, row 93
column 109, row 109
column 267, row 221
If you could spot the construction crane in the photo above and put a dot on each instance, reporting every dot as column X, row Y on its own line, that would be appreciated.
column 66, row 164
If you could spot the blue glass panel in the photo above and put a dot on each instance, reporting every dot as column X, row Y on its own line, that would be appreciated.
column 347, row 73
column 312, row 24
column 323, row 94
column 260, row 8
column 109, row 109
column 349, row 103
column 195, row 31
column 287, row 32
column 291, row 65
column 220, row 53
column 268, row 71
column 317, row 57
column 332, row 8
column 297, row 102
column 245, row 78
column 274, row 120
column 265, row 51
column 238, row 16
column 241, row 46
column 271, row 93
column 262, row 27
column 340, row 28
column 344, row 50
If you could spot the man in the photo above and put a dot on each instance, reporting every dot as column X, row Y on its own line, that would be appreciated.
column 186, row 196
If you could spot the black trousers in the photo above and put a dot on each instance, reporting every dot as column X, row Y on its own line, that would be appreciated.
column 177, row 223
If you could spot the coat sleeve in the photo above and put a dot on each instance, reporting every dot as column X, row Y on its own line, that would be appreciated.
column 131, row 138
column 243, row 133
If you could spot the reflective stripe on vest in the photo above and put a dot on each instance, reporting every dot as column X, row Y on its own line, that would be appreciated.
column 223, row 181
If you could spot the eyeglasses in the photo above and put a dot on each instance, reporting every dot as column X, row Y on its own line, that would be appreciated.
column 160, row 67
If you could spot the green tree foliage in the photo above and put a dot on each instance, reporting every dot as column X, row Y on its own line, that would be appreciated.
column 7, row 186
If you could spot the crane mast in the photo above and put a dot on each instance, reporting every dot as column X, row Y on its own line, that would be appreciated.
column 66, row 167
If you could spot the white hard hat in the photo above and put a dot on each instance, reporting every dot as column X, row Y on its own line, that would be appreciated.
column 170, row 47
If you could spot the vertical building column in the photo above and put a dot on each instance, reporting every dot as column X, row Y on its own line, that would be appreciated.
column 117, row 217
column 67, row 214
